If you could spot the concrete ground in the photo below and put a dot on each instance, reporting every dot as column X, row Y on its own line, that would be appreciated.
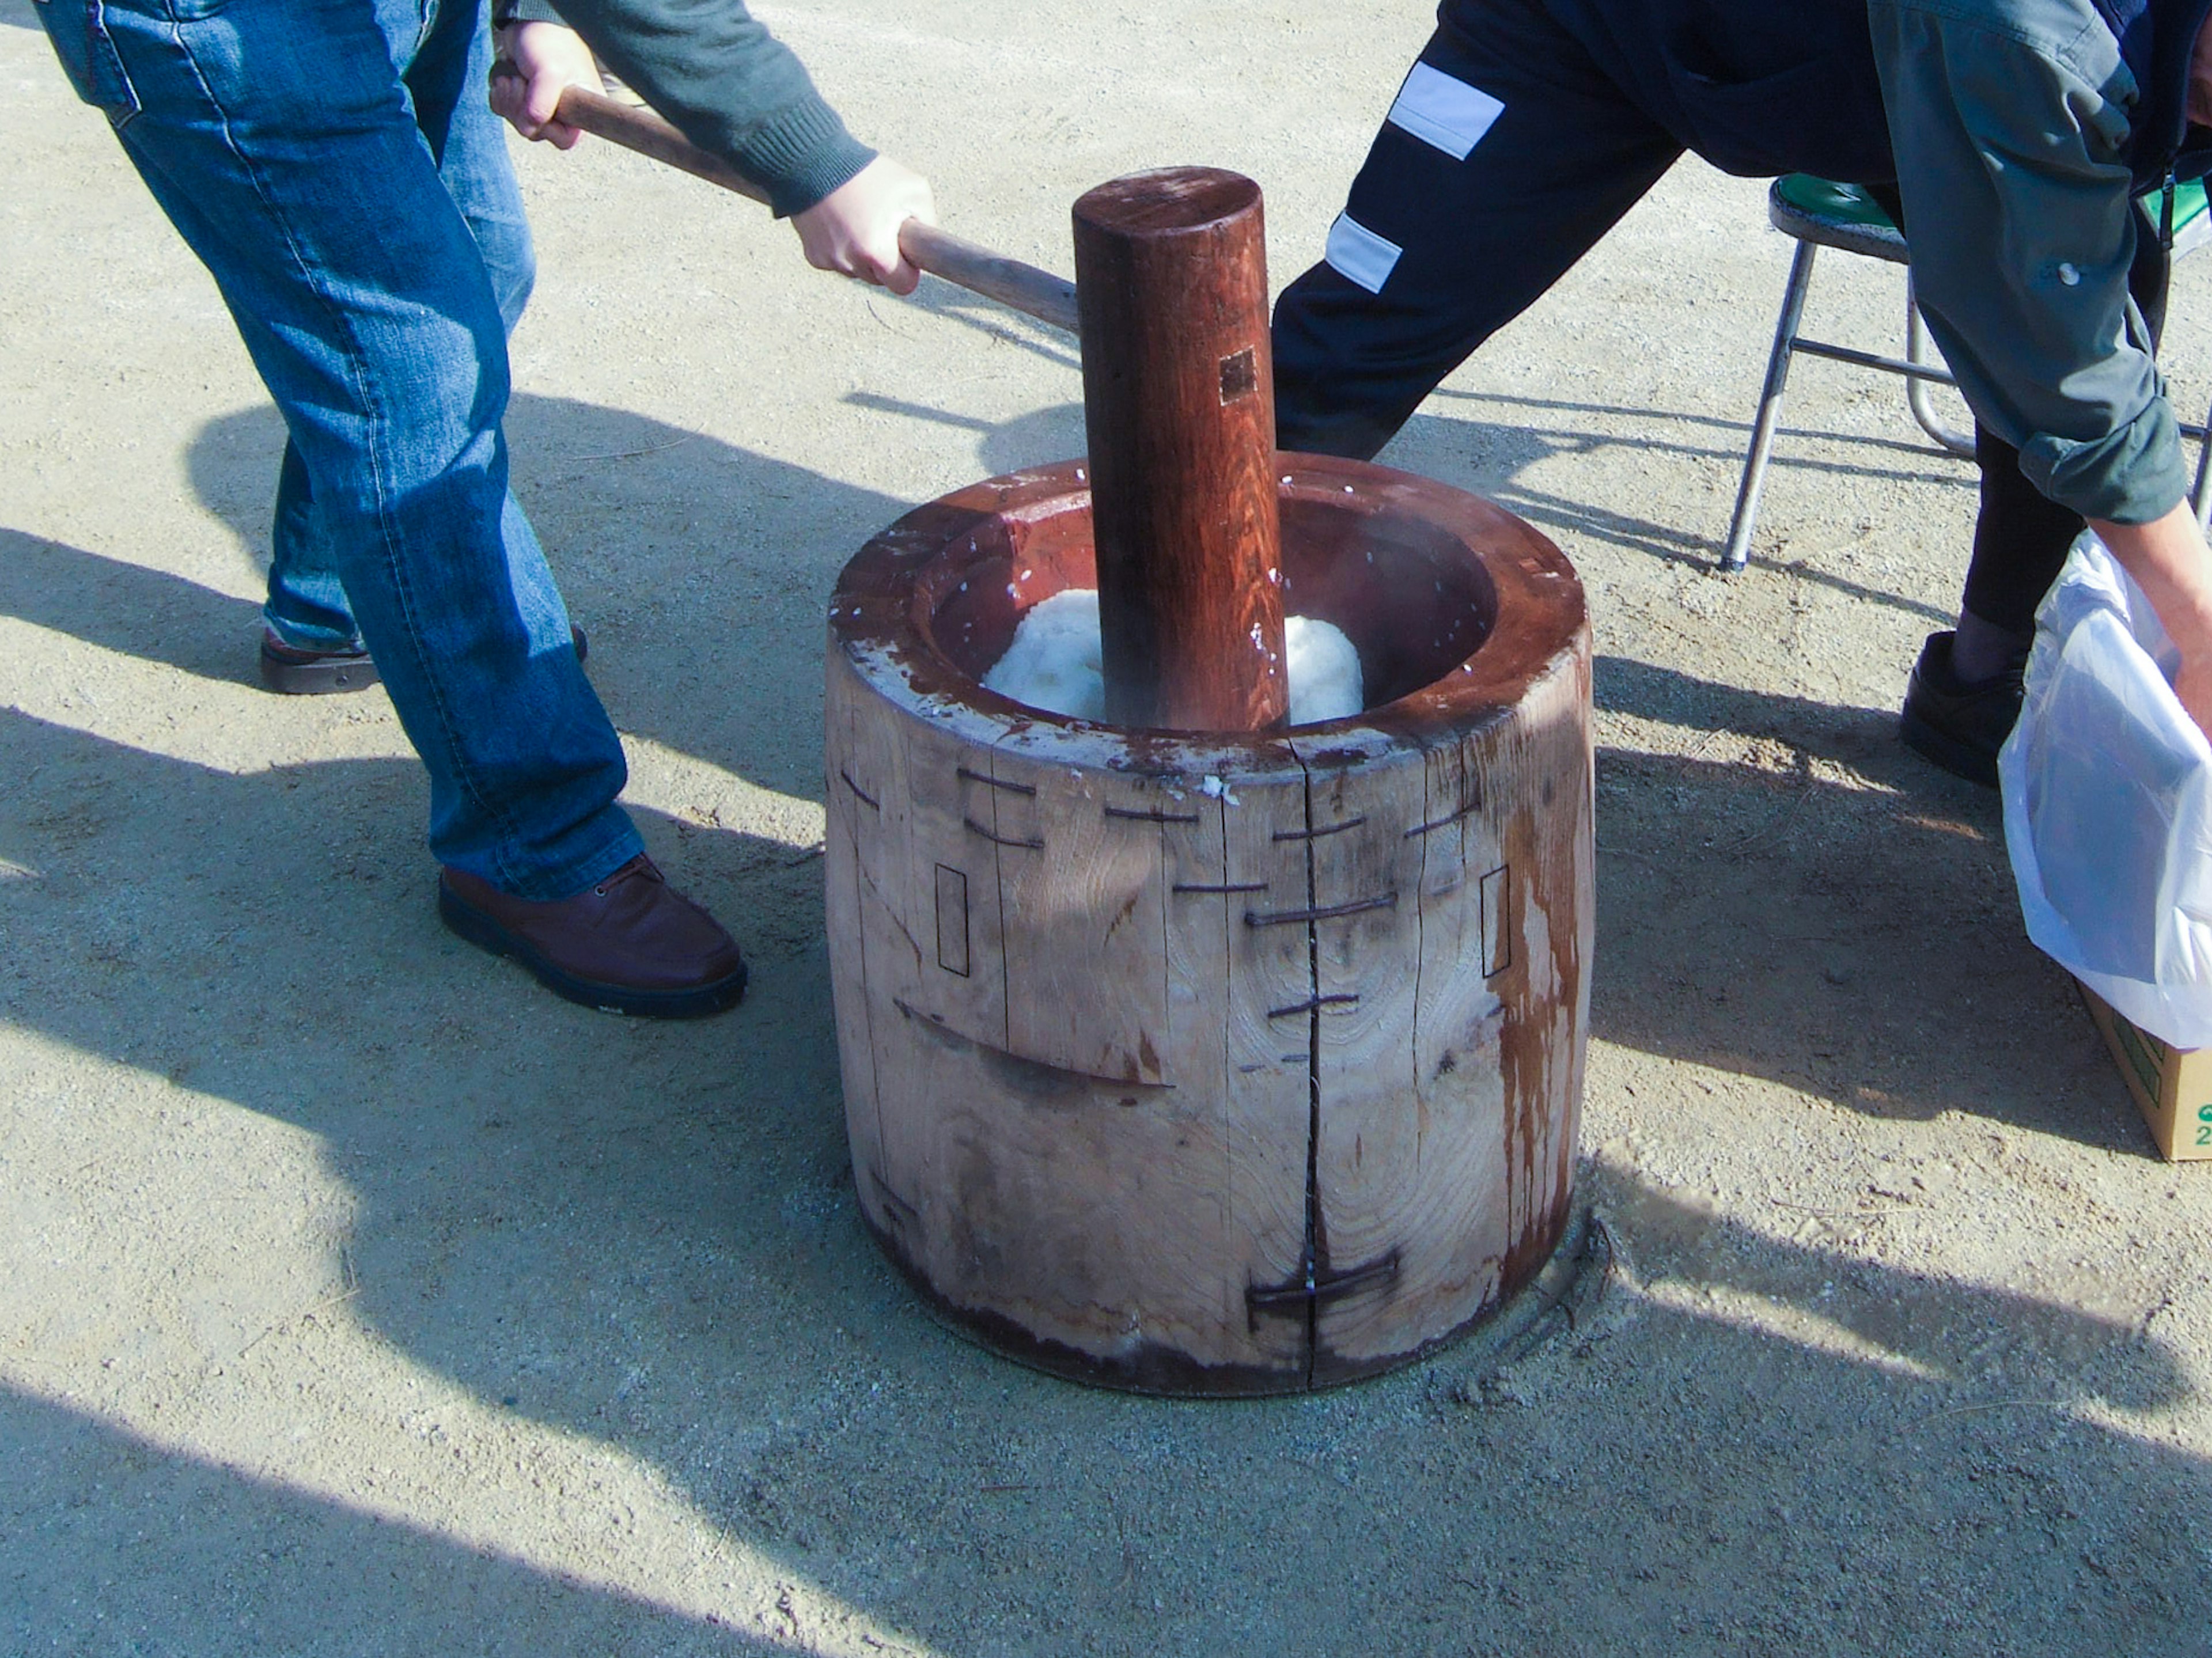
column 360, row 1298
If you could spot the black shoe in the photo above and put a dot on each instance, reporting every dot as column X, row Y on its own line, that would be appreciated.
column 1957, row 726
column 291, row 672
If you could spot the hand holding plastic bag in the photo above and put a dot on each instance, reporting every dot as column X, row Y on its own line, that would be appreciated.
column 2108, row 804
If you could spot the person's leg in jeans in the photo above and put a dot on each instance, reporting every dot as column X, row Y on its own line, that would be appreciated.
column 283, row 143
column 286, row 146
column 1505, row 157
column 307, row 609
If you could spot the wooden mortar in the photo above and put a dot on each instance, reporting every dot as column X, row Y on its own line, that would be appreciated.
column 1214, row 1063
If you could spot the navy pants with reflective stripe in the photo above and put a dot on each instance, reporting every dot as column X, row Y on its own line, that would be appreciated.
column 1507, row 156
column 1437, row 251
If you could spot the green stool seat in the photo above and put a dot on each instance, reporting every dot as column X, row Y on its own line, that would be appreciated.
column 1844, row 216
column 1833, row 215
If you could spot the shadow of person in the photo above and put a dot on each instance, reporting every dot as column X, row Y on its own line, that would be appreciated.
column 188, row 1556
column 127, row 608
column 700, row 571
column 1796, row 896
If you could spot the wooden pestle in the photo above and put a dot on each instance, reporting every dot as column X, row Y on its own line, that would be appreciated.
column 1179, row 401
column 1178, row 394
column 1023, row 287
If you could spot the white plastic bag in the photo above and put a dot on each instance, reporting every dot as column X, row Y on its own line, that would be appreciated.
column 2108, row 804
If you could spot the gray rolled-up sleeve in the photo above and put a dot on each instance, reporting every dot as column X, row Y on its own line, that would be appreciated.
column 728, row 85
column 2010, row 120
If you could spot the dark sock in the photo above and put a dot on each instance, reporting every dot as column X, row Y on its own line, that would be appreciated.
column 1981, row 650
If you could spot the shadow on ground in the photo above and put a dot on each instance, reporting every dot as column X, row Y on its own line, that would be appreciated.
column 643, row 1235
column 1797, row 896
column 700, row 571
column 109, row 1537
column 1488, row 456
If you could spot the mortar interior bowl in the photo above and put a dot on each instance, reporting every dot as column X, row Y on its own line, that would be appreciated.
column 1447, row 599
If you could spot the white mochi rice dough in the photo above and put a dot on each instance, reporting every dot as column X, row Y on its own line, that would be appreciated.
column 1054, row 663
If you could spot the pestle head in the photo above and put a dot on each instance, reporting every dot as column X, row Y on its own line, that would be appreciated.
column 1178, row 398
column 1168, row 200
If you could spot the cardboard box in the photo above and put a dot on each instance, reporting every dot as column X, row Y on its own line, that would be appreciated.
column 2173, row 1085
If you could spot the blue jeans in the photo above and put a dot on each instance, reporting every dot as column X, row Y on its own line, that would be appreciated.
column 334, row 165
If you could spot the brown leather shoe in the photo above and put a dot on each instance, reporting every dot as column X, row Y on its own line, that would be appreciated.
column 631, row 944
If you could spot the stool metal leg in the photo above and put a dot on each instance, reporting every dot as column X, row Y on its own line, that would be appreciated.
column 1917, row 397
column 1738, row 553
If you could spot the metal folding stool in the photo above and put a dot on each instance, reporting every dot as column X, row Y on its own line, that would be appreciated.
column 1817, row 213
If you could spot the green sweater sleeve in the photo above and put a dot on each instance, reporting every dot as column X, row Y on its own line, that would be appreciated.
column 728, row 84
column 2009, row 121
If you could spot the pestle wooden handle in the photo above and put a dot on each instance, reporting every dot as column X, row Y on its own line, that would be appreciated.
column 1023, row 287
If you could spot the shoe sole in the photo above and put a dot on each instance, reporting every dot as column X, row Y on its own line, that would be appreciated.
column 322, row 678
column 332, row 675
column 479, row 929
column 1942, row 749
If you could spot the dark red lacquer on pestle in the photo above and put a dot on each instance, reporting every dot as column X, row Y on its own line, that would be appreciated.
column 1179, row 398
